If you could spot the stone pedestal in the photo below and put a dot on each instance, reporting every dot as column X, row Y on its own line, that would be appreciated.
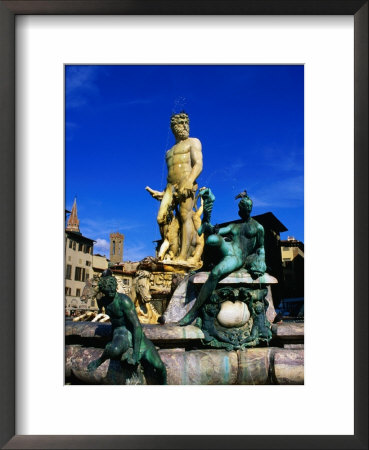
column 185, row 295
column 196, row 367
column 180, row 349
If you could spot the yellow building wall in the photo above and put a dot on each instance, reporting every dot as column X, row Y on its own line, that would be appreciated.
column 75, row 257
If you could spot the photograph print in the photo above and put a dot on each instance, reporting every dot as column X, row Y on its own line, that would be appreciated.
column 184, row 224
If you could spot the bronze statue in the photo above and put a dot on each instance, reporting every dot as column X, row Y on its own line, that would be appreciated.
column 261, row 327
column 129, row 342
column 241, row 244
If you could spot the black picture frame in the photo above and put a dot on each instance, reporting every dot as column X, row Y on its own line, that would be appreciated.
column 8, row 12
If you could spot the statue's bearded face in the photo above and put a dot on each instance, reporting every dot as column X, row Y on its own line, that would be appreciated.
column 108, row 286
column 180, row 126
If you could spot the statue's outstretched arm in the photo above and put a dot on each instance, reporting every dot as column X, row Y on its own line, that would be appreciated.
column 158, row 195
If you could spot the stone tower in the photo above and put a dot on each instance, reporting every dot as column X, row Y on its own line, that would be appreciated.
column 116, row 247
column 73, row 222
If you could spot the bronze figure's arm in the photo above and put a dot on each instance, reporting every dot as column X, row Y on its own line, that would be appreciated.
column 134, row 325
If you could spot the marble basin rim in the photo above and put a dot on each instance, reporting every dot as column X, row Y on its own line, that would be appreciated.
column 241, row 276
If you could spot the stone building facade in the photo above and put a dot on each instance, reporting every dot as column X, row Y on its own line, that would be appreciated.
column 99, row 264
column 78, row 268
column 78, row 263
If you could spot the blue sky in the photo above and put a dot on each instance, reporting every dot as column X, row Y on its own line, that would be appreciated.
column 249, row 119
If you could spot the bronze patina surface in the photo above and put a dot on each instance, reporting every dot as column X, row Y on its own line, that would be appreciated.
column 239, row 244
column 129, row 345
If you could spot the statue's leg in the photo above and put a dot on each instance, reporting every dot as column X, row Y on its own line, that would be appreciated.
column 152, row 358
column 113, row 350
column 164, row 207
column 105, row 355
column 199, row 247
column 163, row 249
column 173, row 237
column 254, row 334
column 187, row 228
column 225, row 267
